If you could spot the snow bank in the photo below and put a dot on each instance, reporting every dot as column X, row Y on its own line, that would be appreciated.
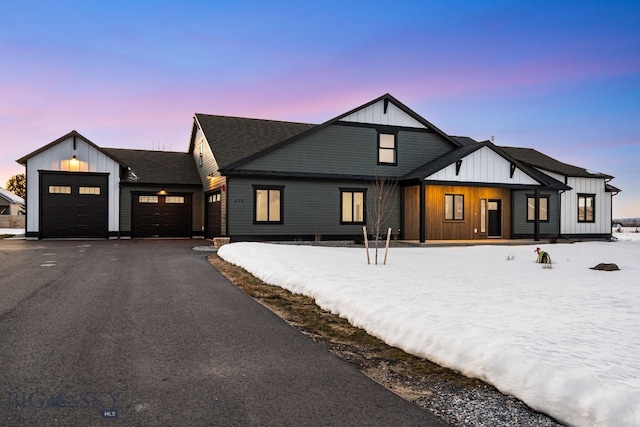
column 566, row 340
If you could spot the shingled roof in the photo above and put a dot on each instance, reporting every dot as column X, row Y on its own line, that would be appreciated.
column 234, row 138
column 536, row 159
column 158, row 167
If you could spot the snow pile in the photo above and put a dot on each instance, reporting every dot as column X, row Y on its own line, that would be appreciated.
column 564, row 340
column 627, row 233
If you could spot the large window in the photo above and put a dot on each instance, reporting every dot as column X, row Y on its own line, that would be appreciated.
column 543, row 208
column 268, row 204
column 454, row 207
column 352, row 206
column 586, row 207
column 387, row 149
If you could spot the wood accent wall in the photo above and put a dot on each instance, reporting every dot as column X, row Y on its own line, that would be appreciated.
column 439, row 229
column 411, row 220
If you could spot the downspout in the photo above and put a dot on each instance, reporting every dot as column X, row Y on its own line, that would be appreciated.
column 422, row 212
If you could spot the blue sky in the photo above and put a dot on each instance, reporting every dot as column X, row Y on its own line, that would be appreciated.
column 562, row 77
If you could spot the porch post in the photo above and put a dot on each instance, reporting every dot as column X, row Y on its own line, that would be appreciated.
column 536, row 216
column 422, row 212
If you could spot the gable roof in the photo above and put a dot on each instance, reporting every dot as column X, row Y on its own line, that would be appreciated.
column 157, row 167
column 72, row 134
column 234, row 138
column 235, row 141
column 469, row 147
column 539, row 160
column 11, row 197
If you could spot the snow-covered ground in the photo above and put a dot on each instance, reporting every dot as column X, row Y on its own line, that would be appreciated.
column 564, row 340
column 16, row 231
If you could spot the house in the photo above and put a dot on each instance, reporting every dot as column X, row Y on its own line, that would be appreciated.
column 11, row 204
column 280, row 180
column 254, row 179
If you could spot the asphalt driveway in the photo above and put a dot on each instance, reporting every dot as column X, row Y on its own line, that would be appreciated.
column 146, row 332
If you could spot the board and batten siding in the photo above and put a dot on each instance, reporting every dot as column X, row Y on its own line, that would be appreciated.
column 351, row 150
column 569, row 225
column 525, row 229
column 58, row 158
column 309, row 208
column 197, row 205
column 483, row 165
column 375, row 114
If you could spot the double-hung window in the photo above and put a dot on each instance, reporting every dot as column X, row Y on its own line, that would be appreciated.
column 268, row 204
column 454, row 207
column 352, row 203
column 586, row 207
column 387, row 149
column 543, row 208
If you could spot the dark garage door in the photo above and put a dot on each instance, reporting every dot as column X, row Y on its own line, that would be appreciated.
column 157, row 215
column 74, row 205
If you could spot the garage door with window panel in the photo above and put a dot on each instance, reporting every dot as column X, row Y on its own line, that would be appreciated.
column 74, row 205
column 161, row 215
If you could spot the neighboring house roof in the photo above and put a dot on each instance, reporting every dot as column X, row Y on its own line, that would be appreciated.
column 72, row 134
column 536, row 159
column 234, row 138
column 11, row 197
column 157, row 167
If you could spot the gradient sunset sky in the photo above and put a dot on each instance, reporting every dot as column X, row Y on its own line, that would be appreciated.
column 562, row 77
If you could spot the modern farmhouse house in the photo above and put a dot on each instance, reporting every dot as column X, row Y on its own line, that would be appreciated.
column 253, row 179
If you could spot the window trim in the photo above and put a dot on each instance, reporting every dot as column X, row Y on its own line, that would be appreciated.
column 453, row 209
column 364, row 206
column 394, row 149
column 268, row 188
column 586, row 196
column 531, row 196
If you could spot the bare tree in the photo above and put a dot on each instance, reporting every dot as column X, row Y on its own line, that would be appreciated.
column 379, row 207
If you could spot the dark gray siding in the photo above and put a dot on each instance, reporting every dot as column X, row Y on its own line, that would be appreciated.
column 351, row 150
column 523, row 228
column 197, row 204
column 310, row 208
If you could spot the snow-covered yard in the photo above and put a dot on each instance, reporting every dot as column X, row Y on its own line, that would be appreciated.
column 564, row 340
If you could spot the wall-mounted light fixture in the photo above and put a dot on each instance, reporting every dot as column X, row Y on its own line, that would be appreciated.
column 162, row 191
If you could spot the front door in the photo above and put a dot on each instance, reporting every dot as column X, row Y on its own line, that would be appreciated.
column 214, row 215
column 495, row 218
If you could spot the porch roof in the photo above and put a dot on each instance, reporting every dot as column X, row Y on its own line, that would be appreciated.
column 469, row 147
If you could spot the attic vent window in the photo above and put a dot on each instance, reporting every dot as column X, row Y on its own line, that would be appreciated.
column 200, row 157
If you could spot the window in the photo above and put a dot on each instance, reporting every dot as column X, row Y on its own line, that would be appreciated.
column 147, row 199
column 543, row 208
column 387, row 149
column 215, row 197
column 268, row 204
column 59, row 189
column 95, row 191
column 200, row 156
column 454, row 207
column 174, row 199
column 352, row 206
column 586, row 207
